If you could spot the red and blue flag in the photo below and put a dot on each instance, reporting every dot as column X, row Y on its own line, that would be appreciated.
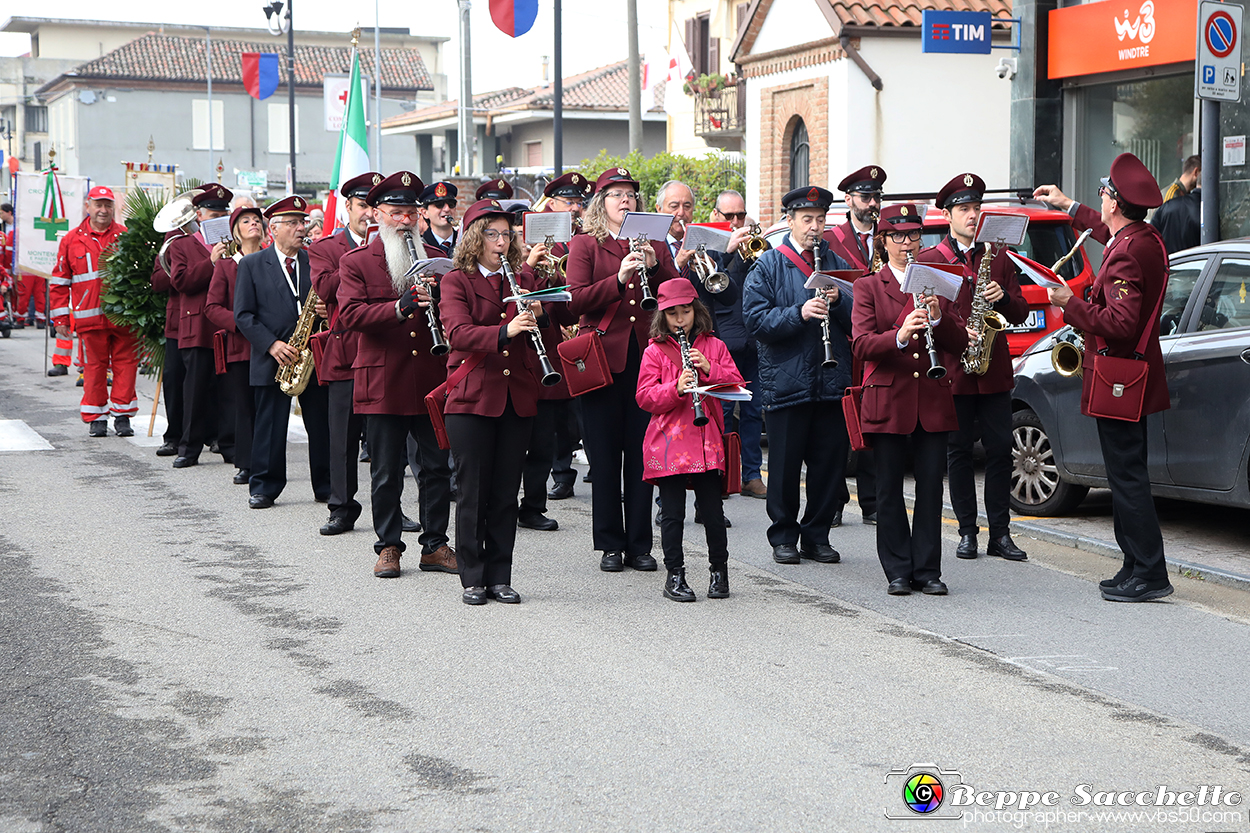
column 260, row 73
column 514, row 17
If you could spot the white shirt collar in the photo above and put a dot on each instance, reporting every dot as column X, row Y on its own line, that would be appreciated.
column 355, row 238
column 486, row 273
column 898, row 276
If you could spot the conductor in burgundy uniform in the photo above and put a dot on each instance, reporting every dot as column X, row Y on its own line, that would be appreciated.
column 335, row 370
column 394, row 371
column 902, row 405
column 983, row 402
column 269, row 295
column 1121, row 313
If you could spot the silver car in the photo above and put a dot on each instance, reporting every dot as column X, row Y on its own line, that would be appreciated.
column 1198, row 448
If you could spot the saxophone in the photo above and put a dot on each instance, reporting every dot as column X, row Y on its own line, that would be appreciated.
column 294, row 377
column 983, row 319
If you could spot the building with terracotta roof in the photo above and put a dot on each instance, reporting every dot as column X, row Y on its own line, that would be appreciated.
column 516, row 123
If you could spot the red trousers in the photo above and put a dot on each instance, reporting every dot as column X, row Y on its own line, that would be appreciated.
column 30, row 290
column 106, row 347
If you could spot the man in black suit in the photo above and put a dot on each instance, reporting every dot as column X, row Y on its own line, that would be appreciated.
column 272, row 286
column 438, row 209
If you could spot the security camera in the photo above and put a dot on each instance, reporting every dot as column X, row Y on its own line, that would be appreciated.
column 1006, row 68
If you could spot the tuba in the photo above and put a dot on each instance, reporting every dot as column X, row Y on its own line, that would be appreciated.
column 177, row 215
column 755, row 244
column 1068, row 354
column 984, row 320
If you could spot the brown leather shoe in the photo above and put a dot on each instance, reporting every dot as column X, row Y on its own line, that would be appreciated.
column 388, row 563
column 442, row 560
column 754, row 488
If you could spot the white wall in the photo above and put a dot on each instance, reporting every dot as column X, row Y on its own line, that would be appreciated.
column 789, row 22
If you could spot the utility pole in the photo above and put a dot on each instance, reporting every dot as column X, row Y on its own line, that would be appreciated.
column 464, row 119
column 377, row 88
column 208, row 54
column 557, row 95
column 635, row 77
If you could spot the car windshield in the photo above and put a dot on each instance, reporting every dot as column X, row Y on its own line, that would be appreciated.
column 1045, row 243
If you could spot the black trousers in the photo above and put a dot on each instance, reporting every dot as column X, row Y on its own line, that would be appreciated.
column 1124, row 451
column 865, row 482
column 273, row 413
column 539, row 458
column 914, row 552
column 199, row 401
column 567, row 437
column 238, row 411
column 173, row 377
column 345, row 429
column 388, row 444
column 986, row 416
column 614, row 428
column 813, row 433
column 490, row 455
column 707, row 495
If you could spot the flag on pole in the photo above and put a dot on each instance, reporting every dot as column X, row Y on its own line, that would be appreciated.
column 51, row 218
column 352, row 158
column 260, row 73
column 514, row 17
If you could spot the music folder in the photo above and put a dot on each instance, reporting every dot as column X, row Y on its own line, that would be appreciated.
column 555, row 224
column 1001, row 228
column 650, row 225
column 841, row 278
column 712, row 239
column 943, row 279
column 216, row 230
column 1041, row 275
column 437, row 266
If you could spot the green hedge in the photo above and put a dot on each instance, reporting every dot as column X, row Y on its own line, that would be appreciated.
column 708, row 176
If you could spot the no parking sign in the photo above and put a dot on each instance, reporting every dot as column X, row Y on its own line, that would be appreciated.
column 1218, row 68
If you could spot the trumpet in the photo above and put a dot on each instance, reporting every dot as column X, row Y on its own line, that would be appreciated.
column 648, row 301
column 713, row 279
column 551, row 266
column 935, row 371
column 755, row 244
column 439, row 346
column 826, row 337
column 1068, row 354
column 550, row 376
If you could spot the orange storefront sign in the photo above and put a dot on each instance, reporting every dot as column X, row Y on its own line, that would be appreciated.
column 1120, row 34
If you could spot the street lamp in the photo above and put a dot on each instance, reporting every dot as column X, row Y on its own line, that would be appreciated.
column 279, row 24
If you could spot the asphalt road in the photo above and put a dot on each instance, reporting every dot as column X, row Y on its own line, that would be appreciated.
column 170, row 660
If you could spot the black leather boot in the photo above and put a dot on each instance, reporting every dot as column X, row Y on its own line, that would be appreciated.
column 718, row 587
column 675, row 587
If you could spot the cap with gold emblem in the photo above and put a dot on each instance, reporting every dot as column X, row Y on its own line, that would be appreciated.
column 360, row 186
column 213, row 197
column 963, row 188
column 809, row 196
column 869, row 179
column 294, row 204
column 439, row 192
column 484, row 208
column 570, row 186
column 901, row 217
column 240, row 211
column 1132, row 181
column 496, row 189
column 400, row 188
column 615, row 176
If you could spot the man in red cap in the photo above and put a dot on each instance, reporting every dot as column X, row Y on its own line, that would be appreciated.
column 191, row 262
column 438, row 207
column 76, row 290
column 269, row 295
column 1121, row 319
column 983, row 402
column 852, row 240
column 394, row 371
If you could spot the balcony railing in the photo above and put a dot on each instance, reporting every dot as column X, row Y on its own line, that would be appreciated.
column 722, row 113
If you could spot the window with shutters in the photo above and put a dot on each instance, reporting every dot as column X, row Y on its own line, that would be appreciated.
column 699, row 45
column 799, row 172
column 740, row 18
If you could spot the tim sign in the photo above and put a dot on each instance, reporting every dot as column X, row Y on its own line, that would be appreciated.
column 965, row 32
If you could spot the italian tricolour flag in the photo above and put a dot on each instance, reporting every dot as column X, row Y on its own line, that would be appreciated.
column 352, row 159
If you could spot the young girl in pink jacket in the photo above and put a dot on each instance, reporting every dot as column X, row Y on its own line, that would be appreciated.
column 677, row 453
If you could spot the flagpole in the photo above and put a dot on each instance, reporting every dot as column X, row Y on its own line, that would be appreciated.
column 557, row 93
column 208, row 53
column 377, row 88
column 465, row 114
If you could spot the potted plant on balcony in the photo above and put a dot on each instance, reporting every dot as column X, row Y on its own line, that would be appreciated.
column 705, row 84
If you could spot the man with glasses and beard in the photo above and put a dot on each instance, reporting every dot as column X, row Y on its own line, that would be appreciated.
column 394, row 371
column 853, row 240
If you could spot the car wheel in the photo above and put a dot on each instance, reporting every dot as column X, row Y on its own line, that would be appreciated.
column 1036, row 488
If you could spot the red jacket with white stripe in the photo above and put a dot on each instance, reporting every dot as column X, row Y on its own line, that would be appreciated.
column 75, row 285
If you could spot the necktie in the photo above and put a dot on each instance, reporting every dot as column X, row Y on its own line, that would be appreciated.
column 867, row 245
column 810, row 258
column 290, row 266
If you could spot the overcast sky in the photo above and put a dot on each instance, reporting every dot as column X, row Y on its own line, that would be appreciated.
column 594, row 30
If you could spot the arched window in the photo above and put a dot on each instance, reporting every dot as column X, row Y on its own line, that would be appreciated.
column 798, row 156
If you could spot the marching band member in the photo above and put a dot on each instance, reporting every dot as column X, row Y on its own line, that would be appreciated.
column 605, row 278
column 438, row 207
column 901, row 404
column 853, row 240
column 173, row 372
column 490, row 409
column 238, row 407
column 983, row 403
column 394, row 371
column 495, row 189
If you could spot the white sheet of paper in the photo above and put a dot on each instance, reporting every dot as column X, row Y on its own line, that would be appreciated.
column 649, row 225
column 819, row 280
column 921, row 277
column 216, row 230
column 556, row 224
column 1040, row 278
column 543, row 295
column 432, row 266
column 730, row 393
column 713, row 239
column 1001, row 228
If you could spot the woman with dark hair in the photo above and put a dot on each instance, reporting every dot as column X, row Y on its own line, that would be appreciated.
column 490, row 407
column 605, row 278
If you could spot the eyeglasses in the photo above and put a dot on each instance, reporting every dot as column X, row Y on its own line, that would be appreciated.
column 621, row 195
column 1108, row 192
column 870, row 198
column 296, row 223
column 402, row 212
column 732, row 215
column 494, row 234
column 441, row 204
column 903, row 236
column 567, row 201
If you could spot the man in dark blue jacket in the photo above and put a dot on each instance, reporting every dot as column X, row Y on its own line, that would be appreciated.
column 801, row 397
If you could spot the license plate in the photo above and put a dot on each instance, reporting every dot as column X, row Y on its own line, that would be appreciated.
column 1036, row 321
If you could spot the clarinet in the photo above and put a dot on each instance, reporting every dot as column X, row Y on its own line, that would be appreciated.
column 648, row 301
column 440, row 346
column 700, row 418
column 935, row 371
column 550, row 376
column 825, row 336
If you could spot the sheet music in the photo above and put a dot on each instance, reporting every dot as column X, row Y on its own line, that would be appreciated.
column 557, row 294
column 216, row 230
column 823, row 280
column 928, row 279
column 713, row 239
column 1001, row 228
column 438, row 266
column 1040, row 275
column 650, row 225
column 557, row 224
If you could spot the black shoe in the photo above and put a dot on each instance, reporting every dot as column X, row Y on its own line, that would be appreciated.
column 19, row 325
column 1134, row 589
column 659, row 516
column 539, row 522
column 474, row 596
column 122, row 426
column 58, row 370
column 561, row 491
column 38, row 325
column 612, row 561
column 698, row 518
column 186, row 462
column 870, row 518
column 215, row 448
column 718, row 587
column 1118, row 579
column 823, row 553
column 675, row 587
column 410, row 525
column 337, row 525
column 364, row 456
column 933, row 588
column 98, row 428
column 259, row 502
column 241, row 477
column 967, row 546
column 786, row 554
column 503, row 593
column 1004, row 547
column 167, row 450
column 837, row 520
column 899, row 587
column 644, row 562
column 586, row 477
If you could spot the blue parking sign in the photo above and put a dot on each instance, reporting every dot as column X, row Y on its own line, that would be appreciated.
column 1208, row 74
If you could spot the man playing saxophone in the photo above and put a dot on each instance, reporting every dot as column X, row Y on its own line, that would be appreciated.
column 982, row 402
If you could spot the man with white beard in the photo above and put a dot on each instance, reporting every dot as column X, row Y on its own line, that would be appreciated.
column 394, row 371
